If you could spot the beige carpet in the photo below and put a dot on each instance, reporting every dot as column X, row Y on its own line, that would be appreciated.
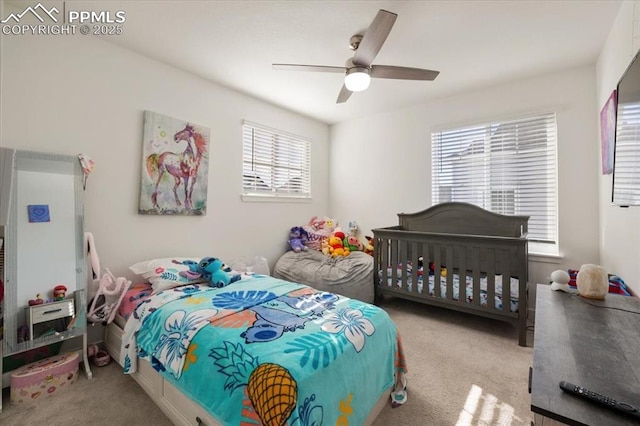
column 463, row 370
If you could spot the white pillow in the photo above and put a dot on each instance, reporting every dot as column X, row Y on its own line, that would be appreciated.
column 164, row 273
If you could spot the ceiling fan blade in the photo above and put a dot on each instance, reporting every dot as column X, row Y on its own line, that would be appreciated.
column 316, row 68
column 374, row 38
column 402, row 73
column 344, row 95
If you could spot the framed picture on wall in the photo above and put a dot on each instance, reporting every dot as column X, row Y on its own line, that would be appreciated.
column 174, row 166
column 607, row 132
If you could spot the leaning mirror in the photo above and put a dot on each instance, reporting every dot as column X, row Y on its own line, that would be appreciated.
column 44, row 267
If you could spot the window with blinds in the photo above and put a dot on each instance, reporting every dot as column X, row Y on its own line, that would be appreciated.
column 507, row 167
column 275, row 163
column 626, row 174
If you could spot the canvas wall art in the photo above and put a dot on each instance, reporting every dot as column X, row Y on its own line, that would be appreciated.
column 607, row 132
column 174, row 166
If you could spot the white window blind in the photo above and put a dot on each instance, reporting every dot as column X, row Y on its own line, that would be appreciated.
column 626, row 175
column 507, row 167
column 275, row 163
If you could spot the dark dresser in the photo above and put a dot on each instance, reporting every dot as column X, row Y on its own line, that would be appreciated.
column 591, row 343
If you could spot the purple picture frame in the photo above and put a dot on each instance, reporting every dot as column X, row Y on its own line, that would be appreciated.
column 607, row 132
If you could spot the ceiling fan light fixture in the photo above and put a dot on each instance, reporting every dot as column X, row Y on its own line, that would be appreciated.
column 357, row 79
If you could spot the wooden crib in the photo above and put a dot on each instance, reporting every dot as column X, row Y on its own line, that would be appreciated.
column 480, row 259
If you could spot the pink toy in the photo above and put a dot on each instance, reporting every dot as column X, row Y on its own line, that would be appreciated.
column 44, row 378
column 111, row 290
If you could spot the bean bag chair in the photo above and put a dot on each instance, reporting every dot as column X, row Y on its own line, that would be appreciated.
column 350, row 276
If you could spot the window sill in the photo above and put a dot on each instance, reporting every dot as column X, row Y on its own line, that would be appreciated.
column 252, row 198
column 545, row 258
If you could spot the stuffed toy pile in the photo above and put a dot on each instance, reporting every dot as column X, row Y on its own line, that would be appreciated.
column 326, row 236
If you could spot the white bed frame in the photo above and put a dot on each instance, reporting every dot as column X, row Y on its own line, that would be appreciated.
column 176, row 406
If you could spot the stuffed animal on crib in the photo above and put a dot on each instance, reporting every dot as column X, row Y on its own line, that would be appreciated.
column 298, row 239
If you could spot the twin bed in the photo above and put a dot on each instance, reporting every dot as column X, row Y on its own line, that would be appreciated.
column 258, row 351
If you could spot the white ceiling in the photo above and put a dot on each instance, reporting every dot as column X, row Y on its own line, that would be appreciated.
column 472, row 43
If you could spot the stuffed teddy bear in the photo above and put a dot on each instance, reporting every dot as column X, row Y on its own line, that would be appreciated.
column 325, row 247
column 298, row 238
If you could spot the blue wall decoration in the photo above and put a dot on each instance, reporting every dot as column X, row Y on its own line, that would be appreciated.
column 39, row 213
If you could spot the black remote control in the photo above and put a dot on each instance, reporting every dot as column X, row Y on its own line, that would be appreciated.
column 589, row 395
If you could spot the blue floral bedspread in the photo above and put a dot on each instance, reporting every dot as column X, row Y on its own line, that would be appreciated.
column 268, row 351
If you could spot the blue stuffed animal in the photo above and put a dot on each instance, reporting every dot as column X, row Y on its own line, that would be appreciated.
column 212, row 270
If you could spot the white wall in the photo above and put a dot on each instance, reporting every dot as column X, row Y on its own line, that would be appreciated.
column 76, row 94
column 392, row 154
column 619, row 227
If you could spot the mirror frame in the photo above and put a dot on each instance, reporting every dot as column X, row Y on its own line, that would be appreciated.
column 52, row 163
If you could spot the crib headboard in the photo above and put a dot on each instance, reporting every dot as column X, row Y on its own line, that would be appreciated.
column 464, row 218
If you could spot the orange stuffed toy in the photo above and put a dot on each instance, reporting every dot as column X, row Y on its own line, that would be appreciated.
column 336, row 248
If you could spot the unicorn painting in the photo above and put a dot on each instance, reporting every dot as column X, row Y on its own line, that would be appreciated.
column 174, row 172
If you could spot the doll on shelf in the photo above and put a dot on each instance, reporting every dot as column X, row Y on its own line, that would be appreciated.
column 59, row 292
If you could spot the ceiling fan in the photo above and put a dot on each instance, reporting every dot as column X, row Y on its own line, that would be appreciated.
column 359, row 69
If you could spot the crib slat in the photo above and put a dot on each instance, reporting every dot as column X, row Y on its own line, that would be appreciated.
column 506, row 281
column 462, row 274
column 449, row 266
column 476, row 275
column 402, row 256
column 425, row 269
column 394, row 263
column 383, row 245
column 491, row 279
column 437, row 266
column 414, row 269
